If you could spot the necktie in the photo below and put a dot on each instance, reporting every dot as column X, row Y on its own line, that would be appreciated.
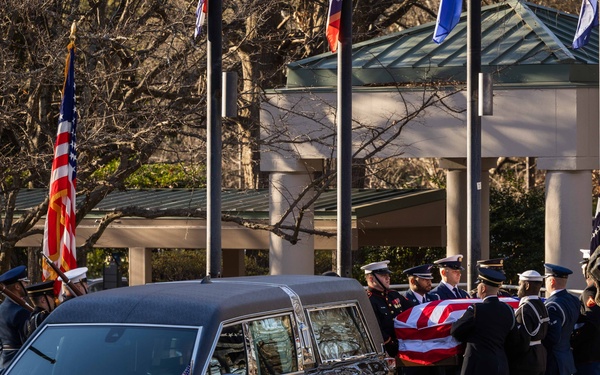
column 456, row 292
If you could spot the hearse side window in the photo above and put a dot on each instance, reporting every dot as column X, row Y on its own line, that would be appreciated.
column 269, row 342
column 339, row 332
column 273, row 345
column 230, row 354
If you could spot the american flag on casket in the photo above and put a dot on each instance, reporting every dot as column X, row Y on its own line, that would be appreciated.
column 423, row 331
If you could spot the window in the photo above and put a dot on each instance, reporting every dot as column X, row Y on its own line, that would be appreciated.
column 229, row 356
column 108, row 349
column 339, row 332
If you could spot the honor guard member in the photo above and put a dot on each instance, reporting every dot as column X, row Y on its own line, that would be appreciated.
column 532, row 322
column 493, row 264
column 419, row 283
column 450, row 270
column 585, row 339
column 386, row 303
column 79, row 279
column 42, row 297
column 486, row 328
column 13, row 317
column 563, row 310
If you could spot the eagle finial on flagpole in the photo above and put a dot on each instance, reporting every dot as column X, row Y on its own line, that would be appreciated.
column 73, row 31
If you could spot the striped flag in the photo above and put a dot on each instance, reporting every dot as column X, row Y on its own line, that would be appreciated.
column 423, row 331
column 201, row 11
column 59, row 229
column 595, row 239
column 447, row 18
column 588, row 19
column 334, row 18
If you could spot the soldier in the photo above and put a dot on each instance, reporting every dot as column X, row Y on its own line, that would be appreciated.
column 42, row 297
column 494, row 264
column 585, row 339
column 386, row 303
column 563, row 310
column 450, row 270
column 13, row 317
column 419, row 283
column 79, row 279
column 532, row 321
column 486, row 327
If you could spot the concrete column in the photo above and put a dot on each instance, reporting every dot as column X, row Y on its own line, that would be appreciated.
column 456, row 206
column 286, row 258
column 456, row 211
column 568, row 220
column 140, row 265
column 233, row 262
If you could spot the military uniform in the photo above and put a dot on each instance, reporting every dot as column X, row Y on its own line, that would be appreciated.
column 13, row 319
column 563, row 310
column 585, row 340
column 41, row 290
column 445, row 290
column 532, row 320
column 486, row 327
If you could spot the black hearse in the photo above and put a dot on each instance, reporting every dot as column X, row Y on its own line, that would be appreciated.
column 262, row 325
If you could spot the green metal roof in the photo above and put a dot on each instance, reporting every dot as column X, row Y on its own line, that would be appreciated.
column 521, row 43
column 250, row 204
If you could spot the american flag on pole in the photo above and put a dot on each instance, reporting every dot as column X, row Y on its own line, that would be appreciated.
column 423, row 331
column 334, row 18
column 201, row 11
column 59, row 229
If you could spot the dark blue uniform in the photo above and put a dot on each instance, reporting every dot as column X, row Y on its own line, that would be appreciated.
column 563, row 310
column 13, row 320
column 486, row 327
column 411, row 299
column 387, row 305
column 444, row 293
column 585, row 340
column 532, row 320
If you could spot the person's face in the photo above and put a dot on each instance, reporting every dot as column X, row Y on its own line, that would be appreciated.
column 44, row 302
column 420, row 285
column 452, row 276
column 522, row 288
column 383, row 278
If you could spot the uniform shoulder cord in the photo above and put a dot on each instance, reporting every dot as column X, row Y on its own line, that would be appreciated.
column 537, row 314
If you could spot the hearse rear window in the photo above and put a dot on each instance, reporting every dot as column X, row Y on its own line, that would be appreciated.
column 340, row 332
column 108, row 349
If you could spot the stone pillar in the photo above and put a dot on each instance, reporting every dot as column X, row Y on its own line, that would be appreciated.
column 233, row 262
column 286, row 258
column 568, row 220
column 140, row 265
column 456, row 206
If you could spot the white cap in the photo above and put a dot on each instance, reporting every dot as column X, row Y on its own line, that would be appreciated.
column 451, row 262
column 76, row 274
column 530, row 275
column 377, row 267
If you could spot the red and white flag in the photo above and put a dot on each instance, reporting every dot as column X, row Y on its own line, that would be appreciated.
column 423, row 331
column 334, row 18
column 59, row 229
column 201, row 11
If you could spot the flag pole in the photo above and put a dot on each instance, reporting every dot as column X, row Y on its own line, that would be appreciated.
column 473, row 141
column 213, row 139
column 344, row 143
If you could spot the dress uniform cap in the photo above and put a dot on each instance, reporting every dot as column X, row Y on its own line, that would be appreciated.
column 586, row 256
column 13, row 275
column 422, row 271
column 530, row 275
column 451, row 262
column 490, row 277
column 557, row 271
column 77, row 274
column 377, row 267
column 40, row 289
column 495, row 264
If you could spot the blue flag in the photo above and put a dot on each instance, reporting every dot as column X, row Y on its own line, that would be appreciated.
column 588, row 19
column 448, row 17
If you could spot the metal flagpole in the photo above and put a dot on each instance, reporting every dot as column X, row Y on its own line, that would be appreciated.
column 213, row 139
column 473, row 141
column 344, row 144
